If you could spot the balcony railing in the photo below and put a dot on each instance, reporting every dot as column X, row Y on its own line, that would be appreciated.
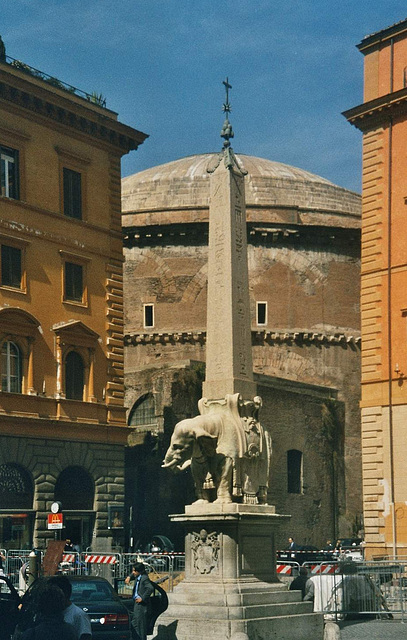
column 94, row 98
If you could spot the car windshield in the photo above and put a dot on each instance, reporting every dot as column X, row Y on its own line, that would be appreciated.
column 91, row 591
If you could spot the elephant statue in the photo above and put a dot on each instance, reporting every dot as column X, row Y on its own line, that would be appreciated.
column 227, row 448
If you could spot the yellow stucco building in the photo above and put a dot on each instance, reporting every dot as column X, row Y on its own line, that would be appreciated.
column 383, row 120
column 62, row 421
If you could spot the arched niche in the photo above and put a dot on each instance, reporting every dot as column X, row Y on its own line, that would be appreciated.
column 16, row 487
column 142, row 413
column 75, row 489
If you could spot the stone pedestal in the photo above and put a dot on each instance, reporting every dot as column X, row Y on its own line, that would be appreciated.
column 231, row 584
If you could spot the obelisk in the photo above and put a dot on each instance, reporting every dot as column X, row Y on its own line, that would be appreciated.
column 229, row 366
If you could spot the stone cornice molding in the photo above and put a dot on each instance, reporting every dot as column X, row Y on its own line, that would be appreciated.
column 137, row 236
column 72, row 156
column 8, row 228
column 258, row 337
column 370, row 114
column 13, row 134
column 67, row 112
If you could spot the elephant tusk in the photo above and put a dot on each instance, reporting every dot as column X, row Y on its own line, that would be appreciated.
column 169, row 465
column 185, row 465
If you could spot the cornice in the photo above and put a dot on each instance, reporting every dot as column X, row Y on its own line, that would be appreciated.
column 62, row 111
column 50, row 428
column 370, row 114
column 269, row 336
column 187, row 232
column 382, row 37
column 70, row 239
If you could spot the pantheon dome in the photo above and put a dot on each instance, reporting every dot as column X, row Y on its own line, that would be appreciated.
column 304, row 269
column 183, row 185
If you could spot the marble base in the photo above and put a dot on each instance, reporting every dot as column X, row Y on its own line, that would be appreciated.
column 231, row 584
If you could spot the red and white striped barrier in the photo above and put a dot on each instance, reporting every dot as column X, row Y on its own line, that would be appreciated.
column 68, row 557
column 323, row 569
column 285, row 568
column 100, row 559
column 315, row 569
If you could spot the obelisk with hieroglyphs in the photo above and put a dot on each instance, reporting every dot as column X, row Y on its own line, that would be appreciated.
column 229, row 366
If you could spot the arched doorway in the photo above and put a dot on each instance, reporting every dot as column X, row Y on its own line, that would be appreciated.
column 75, row 490
column 16, row 502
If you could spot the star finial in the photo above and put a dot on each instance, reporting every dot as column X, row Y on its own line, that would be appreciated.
column 226, row 154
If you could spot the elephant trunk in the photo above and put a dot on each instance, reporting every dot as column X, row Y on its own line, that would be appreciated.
column 170, row 464
column 175, row 464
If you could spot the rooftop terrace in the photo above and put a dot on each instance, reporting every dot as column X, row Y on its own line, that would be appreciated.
column 94, row 98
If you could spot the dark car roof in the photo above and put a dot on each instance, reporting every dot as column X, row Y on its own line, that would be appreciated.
column 88, row 579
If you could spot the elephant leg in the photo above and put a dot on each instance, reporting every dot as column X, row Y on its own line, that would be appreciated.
column 199, row 471
column 224, row 484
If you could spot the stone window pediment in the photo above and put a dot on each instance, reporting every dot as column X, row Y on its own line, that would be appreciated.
column 76, row 333
column 18, row 322
column 21, row 328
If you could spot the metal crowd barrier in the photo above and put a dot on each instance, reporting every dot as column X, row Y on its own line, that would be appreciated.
column 360, row 589
column 286, row 570
column 16, row 560
column 164, row 568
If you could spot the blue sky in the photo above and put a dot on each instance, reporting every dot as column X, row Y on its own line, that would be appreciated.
column 160, row 64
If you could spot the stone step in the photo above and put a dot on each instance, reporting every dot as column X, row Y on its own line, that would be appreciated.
column 308, row 626
column 212, row 597
column 199, row 612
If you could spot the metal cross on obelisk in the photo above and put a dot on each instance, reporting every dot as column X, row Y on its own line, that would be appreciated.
column 229, row 367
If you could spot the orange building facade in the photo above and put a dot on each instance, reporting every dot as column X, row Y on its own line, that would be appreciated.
column 62, row 422
column 383, row 120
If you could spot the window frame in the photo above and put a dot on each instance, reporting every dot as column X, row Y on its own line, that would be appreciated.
column 148, row 410
column 13, row 154
column 20, row 367
column 80, row 261
column 69, row 197
column 148, row 305
column 17, row 141
column 73, row 282
column 20, row 245
column 299, row 472
column 67, row 355
column 72, row 161
column 258, row 303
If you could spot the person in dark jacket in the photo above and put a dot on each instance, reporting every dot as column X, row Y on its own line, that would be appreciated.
column 300, row 581
column 292, row 545
column 142, row 591
column 50, row 617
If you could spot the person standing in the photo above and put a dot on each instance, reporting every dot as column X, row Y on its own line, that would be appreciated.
column 142, row 591
column 292, row 545
column 72, row 614
column 300, row 581
column 50, row 622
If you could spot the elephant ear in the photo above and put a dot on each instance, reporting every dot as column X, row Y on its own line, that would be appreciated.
column 207, row 443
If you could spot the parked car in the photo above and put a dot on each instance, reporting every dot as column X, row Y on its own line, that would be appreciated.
column 108, row 611
column 306, row 553
column 350, row 543
column 108, row 616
